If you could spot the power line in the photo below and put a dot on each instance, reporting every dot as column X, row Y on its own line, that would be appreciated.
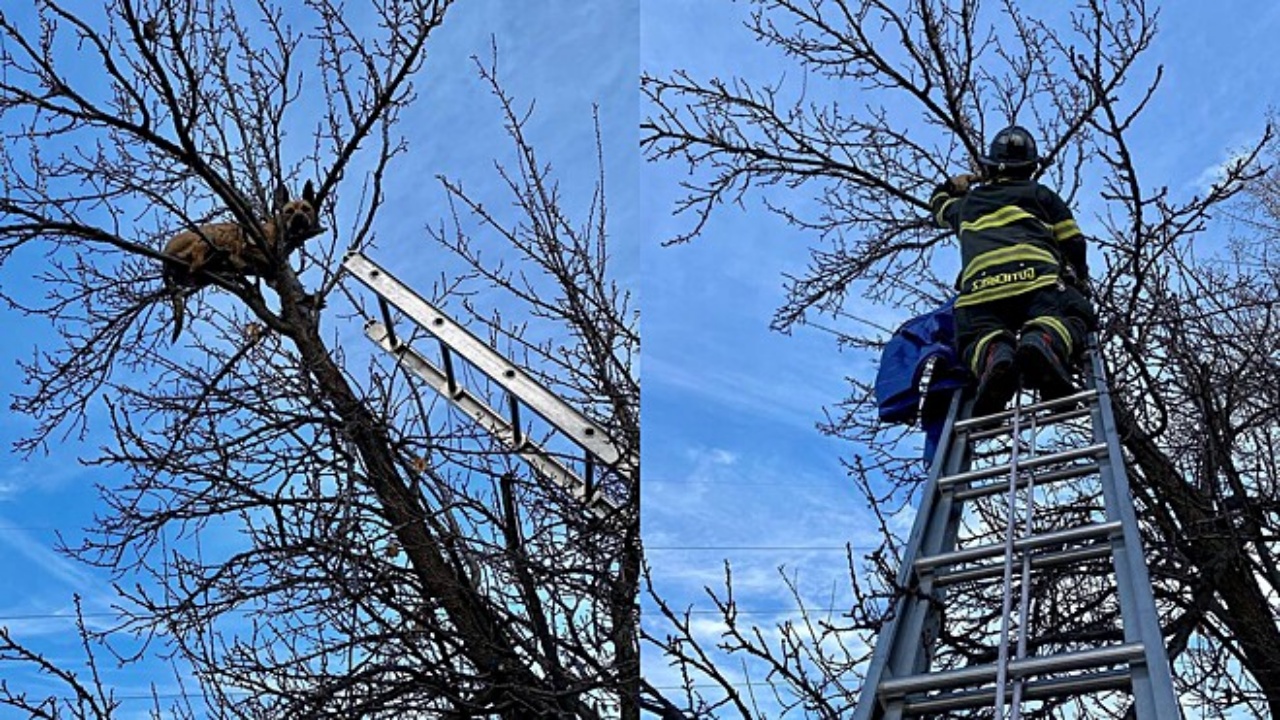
column 739, row 483
column 52, row 616
column 762, row 548
column 777, row 611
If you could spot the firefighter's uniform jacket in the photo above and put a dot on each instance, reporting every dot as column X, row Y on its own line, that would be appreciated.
column 1014, row 236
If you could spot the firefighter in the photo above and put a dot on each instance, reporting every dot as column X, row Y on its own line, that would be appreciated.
column 1022, row 315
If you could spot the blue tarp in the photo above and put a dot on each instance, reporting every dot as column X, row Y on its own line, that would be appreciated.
column 902, row 364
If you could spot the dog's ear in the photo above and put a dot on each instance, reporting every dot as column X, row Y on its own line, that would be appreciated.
column 281, row 198
column 309, row 193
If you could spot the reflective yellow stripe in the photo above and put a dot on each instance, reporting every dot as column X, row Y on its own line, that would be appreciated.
column 1006, row 215
column 1007, row 255
column 1066, row 230
column 979, row 347
column 1005, row 291
column 1055, row 325
column 937, row 218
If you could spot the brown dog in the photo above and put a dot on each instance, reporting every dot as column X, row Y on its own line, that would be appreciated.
column 229, row 248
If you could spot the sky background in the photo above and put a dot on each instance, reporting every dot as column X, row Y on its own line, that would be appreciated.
column 733, row 465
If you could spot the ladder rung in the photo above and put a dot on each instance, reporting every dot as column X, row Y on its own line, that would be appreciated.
column 1022, row 544
column 1041, row 422
column 1082, row 396
column 1028, row 464
column 1038, row 562
column 1052, row 476
column 1021, row 668
column 1032, row 690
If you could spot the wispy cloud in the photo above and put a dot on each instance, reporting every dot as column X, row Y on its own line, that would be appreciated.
column 765, row 517
column 39, row 474
column 1216, row 172
column 69, row 573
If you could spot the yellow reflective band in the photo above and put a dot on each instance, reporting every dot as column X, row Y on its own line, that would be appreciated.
column 980, row 346
column 1005, row 291
column 1066, row 230
column 1001, row 256
column 1054, row 325
column 938, row 219
column 1006, row 215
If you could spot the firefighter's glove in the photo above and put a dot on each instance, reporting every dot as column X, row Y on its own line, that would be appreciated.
column 1085, row 288
column 960, row 184
column 1077, row 280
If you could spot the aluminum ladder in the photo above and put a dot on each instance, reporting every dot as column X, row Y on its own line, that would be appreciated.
column 600, row 452
column 980, row 627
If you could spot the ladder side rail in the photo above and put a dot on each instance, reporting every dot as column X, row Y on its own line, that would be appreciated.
column 600, row 504
column 899, row 641
column 1024, row 582
column 1153, row 693
column 1008, row 548
column 564, row 417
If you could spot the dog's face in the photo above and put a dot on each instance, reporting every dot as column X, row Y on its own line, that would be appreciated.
column 298, row 217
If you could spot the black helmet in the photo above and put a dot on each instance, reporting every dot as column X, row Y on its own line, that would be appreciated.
column 1012, row 149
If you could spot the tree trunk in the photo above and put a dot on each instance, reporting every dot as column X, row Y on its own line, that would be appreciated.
column 1214, row 556
column 481, row 638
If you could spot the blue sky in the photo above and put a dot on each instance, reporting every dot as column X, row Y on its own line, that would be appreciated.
column 565, row 55
column 734, row 467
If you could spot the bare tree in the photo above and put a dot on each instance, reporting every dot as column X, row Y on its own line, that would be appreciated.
column 89, row 699
column 895, row 97
column 374, row 558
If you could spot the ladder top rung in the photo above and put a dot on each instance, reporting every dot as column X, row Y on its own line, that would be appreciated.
column 1028, row 464
column 1082, row 396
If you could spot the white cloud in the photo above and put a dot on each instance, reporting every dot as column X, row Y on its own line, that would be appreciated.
column 39, row 474
column 1215, row 173
column 69, row 573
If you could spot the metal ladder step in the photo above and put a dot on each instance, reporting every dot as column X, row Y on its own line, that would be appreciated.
column 1093, row 658
column 981, row 552
column 1089, row 451
column 1039, row 561
column 1042, row 421
column 1025, row 479
column 1039, row 689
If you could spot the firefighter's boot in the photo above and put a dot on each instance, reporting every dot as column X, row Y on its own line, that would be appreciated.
column 1043, row 364
column 998, row 380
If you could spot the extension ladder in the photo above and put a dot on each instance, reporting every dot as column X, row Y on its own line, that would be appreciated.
column 599, row 450
column 1023, row 589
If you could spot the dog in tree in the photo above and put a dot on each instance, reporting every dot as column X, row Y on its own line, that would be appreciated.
column 231, row 249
